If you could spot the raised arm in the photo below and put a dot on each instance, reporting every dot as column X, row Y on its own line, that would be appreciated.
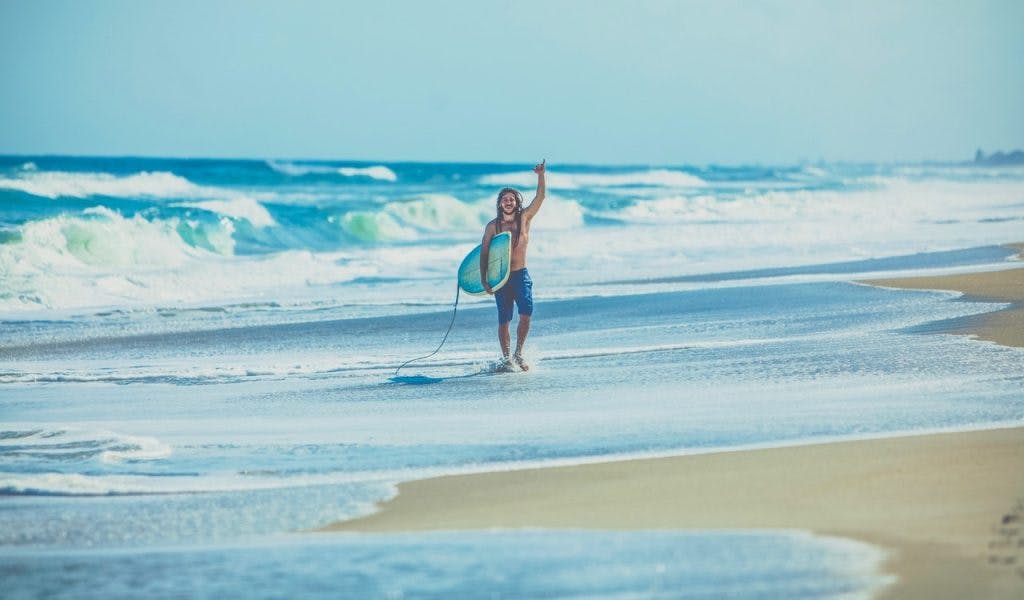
column 485, row 255
column 530, row 211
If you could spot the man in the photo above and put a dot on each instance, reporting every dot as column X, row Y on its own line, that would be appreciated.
column 512, row 217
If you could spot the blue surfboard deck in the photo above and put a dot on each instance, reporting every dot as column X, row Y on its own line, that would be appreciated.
column 499, row 263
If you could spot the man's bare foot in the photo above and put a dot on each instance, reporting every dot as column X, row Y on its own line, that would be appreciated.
column 522, row 363
column 504, row 365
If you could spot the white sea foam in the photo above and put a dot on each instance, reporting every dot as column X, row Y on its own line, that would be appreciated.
column 297, row 170
column 378, row 172
column 75, row 484
column 559, row 213
column 207, row 279
column 889, row 201
column 241, row 207
column 225, row 369
column 573, row 181
column 814, row 172
column 74, row 442
column 55, row 184
column 340, row 365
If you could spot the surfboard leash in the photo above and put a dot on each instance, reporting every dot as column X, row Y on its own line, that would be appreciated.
column 455, row 310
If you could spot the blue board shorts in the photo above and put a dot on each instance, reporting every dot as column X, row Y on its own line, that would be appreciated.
column 518, row 289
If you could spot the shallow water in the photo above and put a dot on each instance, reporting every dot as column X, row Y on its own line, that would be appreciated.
column 525, row 564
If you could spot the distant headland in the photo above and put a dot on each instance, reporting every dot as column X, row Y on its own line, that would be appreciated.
column 1016, row 157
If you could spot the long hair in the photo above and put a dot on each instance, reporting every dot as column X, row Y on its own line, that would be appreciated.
column 519, row 213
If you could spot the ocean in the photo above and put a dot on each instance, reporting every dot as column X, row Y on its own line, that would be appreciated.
column 198, row 356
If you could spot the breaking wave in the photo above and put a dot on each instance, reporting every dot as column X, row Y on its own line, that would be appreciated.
column 439, row 214
column 292, row 169
column 56, row 184
column 101, row 258
column 379, row 172
column 238, row 208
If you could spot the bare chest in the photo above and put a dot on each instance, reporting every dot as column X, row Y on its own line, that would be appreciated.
column 520, row 240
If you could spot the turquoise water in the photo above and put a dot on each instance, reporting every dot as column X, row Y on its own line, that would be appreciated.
column 197, row 359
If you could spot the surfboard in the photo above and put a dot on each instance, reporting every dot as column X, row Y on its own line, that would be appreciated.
column 499, row 263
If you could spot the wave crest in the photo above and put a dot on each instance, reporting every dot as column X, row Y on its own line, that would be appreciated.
column 56, row 184
column 440, row 212
column 241, row 207
column 406, row 221
column 377, row 172
column 374, row 227
column 102, row 237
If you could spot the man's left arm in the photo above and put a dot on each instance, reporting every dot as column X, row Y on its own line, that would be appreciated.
column 530, row 211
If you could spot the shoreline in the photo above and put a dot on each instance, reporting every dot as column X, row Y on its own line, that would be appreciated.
column 948, row 507
column 1004, row 327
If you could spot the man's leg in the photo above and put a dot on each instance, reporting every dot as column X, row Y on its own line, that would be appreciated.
column 503, row 337
column 504, row 301
column 524, row 302
column 521, row 331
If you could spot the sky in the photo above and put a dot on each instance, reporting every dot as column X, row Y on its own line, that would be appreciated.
column 610, row 82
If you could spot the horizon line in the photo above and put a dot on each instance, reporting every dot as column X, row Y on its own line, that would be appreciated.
column 801, row 162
